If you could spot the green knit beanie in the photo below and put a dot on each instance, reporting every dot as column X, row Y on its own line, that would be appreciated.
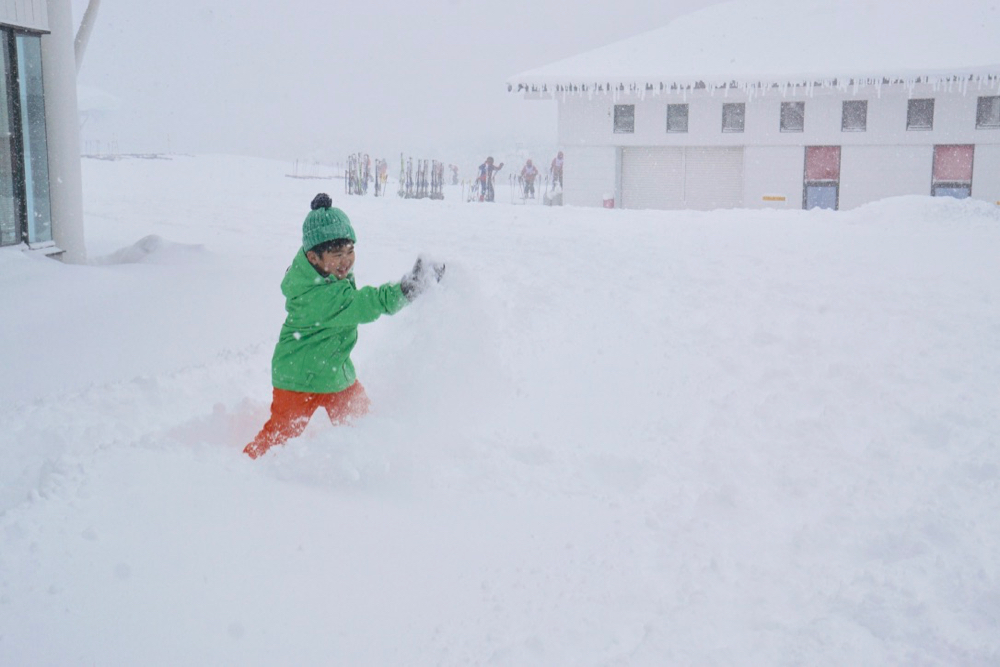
column 326, row 224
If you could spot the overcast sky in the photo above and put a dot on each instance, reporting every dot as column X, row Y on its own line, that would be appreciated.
column 321, row 79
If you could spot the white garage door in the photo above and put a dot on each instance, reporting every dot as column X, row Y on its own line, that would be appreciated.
column 653, row 178
column 693, row 177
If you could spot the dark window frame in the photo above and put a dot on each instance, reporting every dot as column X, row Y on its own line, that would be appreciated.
column 846, row 115
column 917, row 111
column 676, row 116
column 624, row 119
column 38, row 199
column 820, row 182
column 15, row 84
column 952, row 183
column 741, row 115
column 790, row 113
column 937, row 186
column 987, row 118
column 18, row 181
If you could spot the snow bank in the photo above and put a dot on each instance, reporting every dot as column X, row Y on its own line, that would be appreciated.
column 150, row 248
column 736, row 437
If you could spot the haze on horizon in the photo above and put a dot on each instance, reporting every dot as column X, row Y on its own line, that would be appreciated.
column 319, row 81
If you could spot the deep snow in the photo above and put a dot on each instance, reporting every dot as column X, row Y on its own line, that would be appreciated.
column 608, row 438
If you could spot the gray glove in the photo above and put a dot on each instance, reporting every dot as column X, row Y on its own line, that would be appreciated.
column 419, row 278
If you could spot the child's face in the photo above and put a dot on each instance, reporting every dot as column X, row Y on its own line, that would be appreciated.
column 336, row 263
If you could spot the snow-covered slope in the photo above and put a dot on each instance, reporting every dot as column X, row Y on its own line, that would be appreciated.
column 609, row 437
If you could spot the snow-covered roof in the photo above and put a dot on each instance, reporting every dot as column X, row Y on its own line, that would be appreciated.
column 775, row 42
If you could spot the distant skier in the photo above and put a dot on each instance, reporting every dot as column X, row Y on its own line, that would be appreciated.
column 486, row 172
column 382, row 174
column 311, row 367
column 557, row 170
column 366, row 173
column 528, row 175
column 454, row 173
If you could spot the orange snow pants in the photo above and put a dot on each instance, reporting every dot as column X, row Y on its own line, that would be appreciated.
column 291, row 410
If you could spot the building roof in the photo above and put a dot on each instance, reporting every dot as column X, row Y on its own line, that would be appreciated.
column 762, row 43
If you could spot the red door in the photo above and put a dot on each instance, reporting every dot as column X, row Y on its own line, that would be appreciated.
column 952, row 175
column 822, row 177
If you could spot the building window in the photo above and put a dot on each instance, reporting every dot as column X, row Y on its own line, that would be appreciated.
column 988, row 112
column 25, row 214
column 855, row 116
column 952, row 176
column 793, row 116
column 733, row 117
column 624, row 118
column 677, row 118
column 822, row 177
column 920, row 115
column 10, row 204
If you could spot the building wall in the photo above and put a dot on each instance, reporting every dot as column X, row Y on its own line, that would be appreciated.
column 885, row 160
column 868, row 173
column 773, row 177
column 40, row 182
column 589, row 120
column 986, row 173
column 29, row 14
column 62, row 126
column 589, row 173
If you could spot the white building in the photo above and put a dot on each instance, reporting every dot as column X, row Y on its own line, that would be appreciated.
column 40, row 186
column 784, row 103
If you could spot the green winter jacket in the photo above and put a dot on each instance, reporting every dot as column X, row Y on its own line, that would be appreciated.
column 313, row 353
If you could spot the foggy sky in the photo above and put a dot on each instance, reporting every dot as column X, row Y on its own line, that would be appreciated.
column 319, row 80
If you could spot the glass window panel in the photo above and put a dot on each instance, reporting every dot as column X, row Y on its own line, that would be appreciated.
column 36, row 163
column 855, row 116
column 953, row 163
column 821, row 196
column 677, row 118
column 9, row 206
column 988, row 112
column 952, row 190
column 624, row 118
column 793, row 116
column 920, row 115
column 733, row 117
column 822, row 163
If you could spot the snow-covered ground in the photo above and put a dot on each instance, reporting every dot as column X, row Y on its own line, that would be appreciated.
column 608, row 438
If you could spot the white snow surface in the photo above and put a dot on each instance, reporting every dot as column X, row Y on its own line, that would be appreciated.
column 780, row 41
column 606, row 438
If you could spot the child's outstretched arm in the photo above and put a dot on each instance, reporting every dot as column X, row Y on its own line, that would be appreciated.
column 349, row 307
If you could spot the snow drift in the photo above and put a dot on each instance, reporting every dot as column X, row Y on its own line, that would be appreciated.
column 609, row 437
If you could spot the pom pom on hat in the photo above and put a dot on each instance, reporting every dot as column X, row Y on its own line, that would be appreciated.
column 322, row 200
column 325, row 224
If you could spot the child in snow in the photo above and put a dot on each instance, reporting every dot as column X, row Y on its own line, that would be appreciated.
column 311, row 367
